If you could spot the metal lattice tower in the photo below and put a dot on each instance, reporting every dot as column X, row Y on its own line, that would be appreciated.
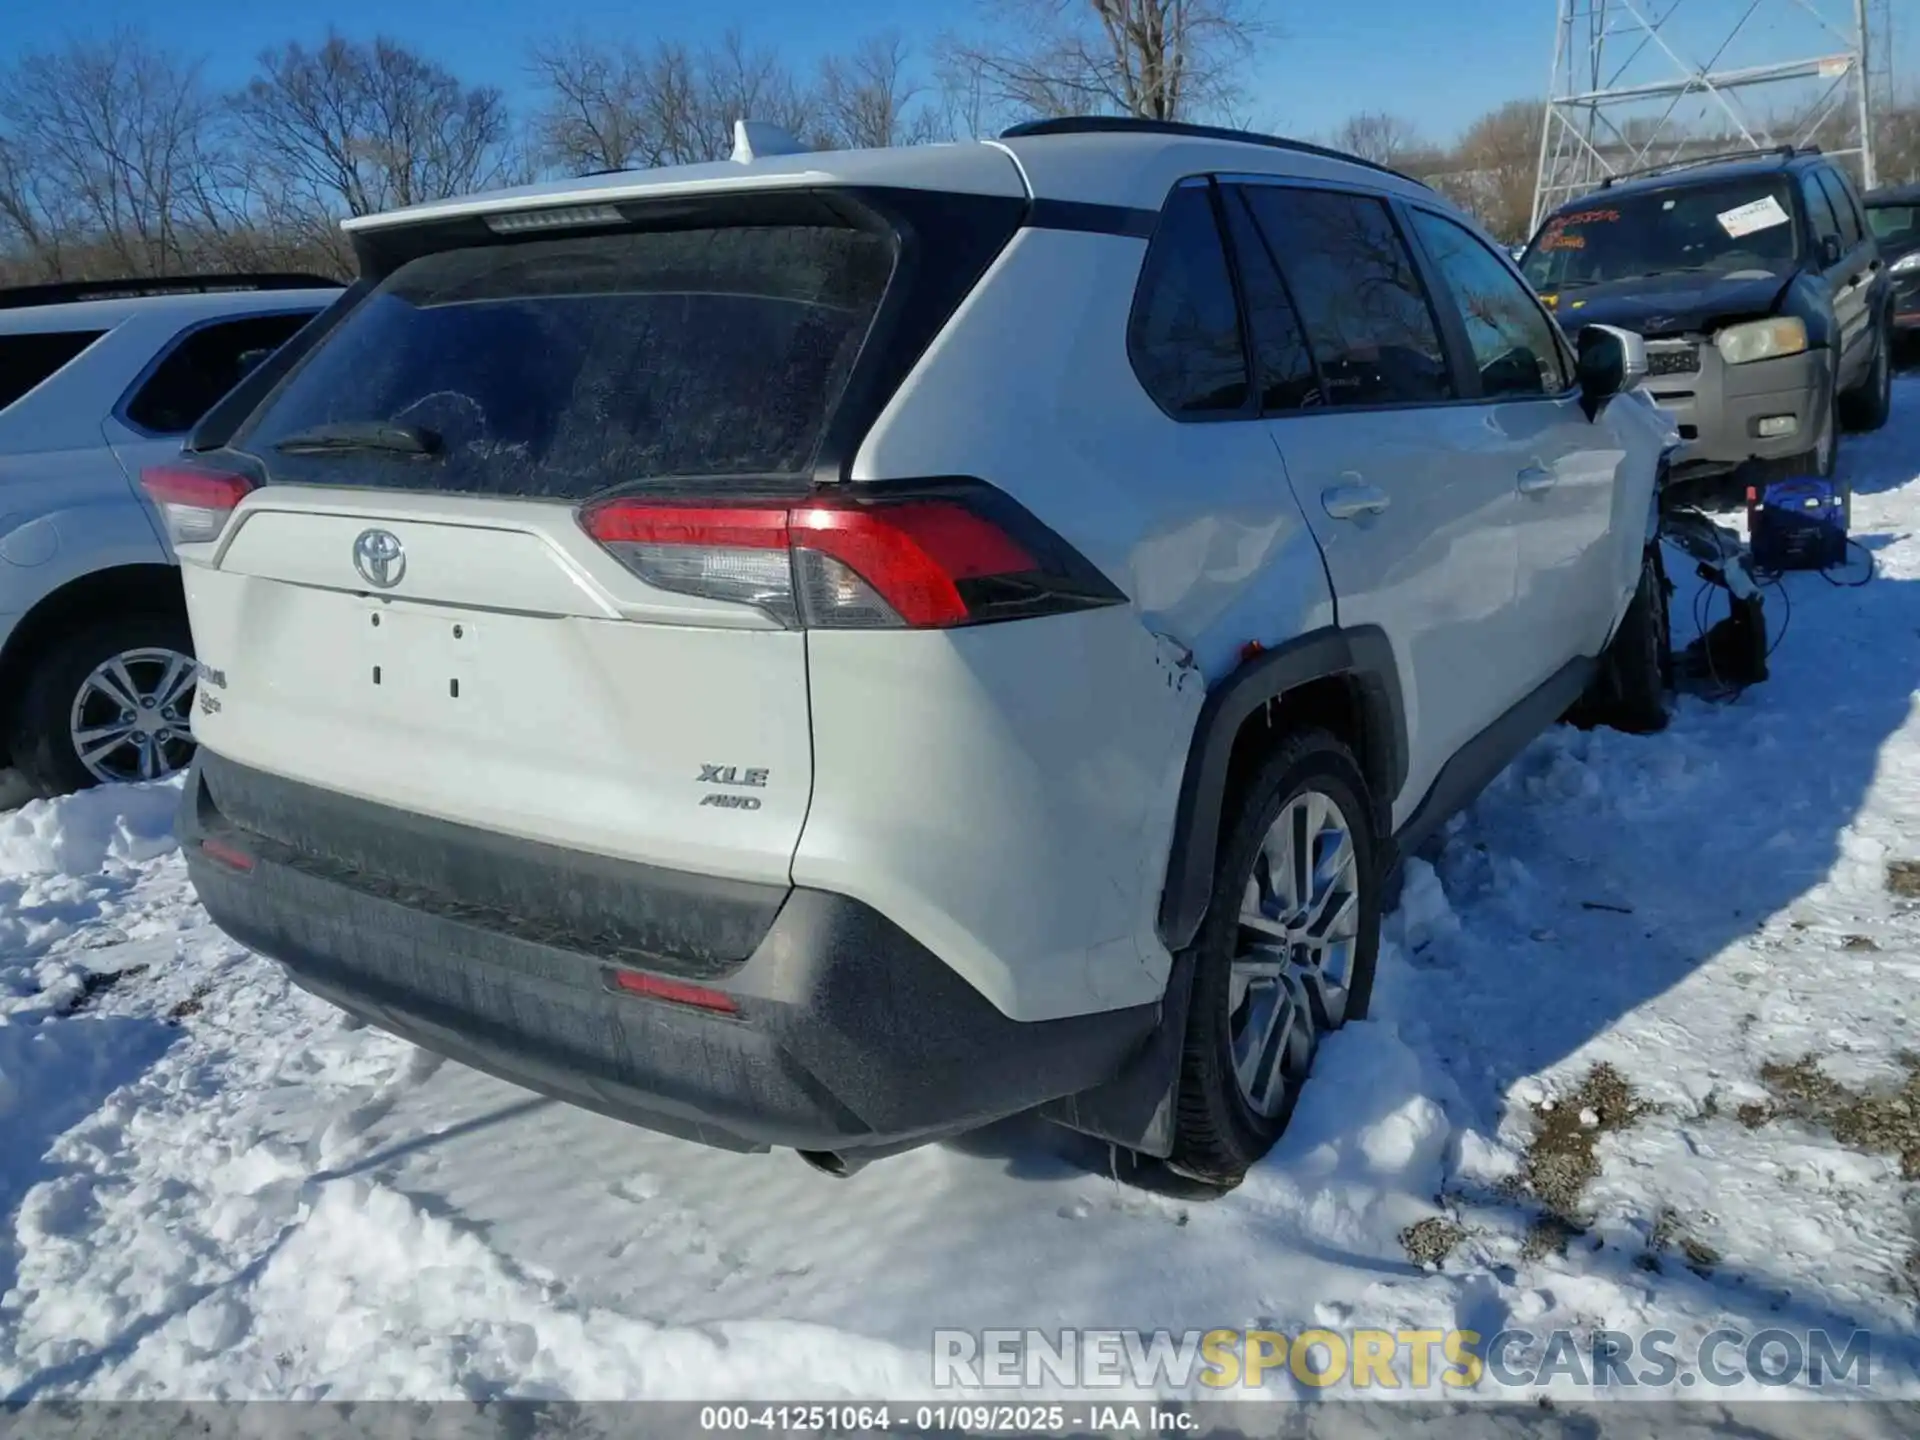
column 1640, row 83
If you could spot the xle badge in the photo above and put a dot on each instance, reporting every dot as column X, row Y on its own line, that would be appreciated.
column 740, row 777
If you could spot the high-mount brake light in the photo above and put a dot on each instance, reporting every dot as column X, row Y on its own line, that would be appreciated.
column 923, row 557
column 194, row 504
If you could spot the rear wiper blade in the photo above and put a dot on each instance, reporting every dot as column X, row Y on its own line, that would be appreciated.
column 345, row 436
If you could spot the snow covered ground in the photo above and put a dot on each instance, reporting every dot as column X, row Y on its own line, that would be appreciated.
column 215, row 1186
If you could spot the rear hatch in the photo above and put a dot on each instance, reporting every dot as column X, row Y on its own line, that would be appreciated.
column 390, row 571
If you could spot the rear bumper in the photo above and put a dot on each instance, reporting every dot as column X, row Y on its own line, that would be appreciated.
column 848, row 1035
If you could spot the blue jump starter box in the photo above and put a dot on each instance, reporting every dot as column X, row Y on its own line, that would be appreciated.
column 1797, row 525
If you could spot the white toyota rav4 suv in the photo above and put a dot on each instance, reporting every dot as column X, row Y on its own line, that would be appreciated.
column 830, row 650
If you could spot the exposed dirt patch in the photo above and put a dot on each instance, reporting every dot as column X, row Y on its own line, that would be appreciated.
column 1560, row 1161
column 1430, row 1241
column 1885, row 1122
column 1548, row 1235
column 1668, row 1233
column 1903, row 879
column 96, row 983
column 192, row 1005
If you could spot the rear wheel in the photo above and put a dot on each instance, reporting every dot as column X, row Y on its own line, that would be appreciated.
column 110, row 702
column 1286, row 954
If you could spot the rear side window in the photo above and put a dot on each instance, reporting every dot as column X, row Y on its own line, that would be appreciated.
column 1366, row 312
column 26, row 360
column 1851, row 232
column 1185, row 333
column 1513, row 340
column 203, row 366
column 561, row 368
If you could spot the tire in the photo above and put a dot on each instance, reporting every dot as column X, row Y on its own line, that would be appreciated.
column 62, row 695
column 1224, row 1124
column 1630, row 692
column 1866, row 406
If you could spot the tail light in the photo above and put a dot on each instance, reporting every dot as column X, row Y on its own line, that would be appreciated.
column 194, row 504
column 923, row 556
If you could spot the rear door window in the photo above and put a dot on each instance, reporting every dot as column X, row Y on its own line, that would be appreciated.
column 26, row 360
column 561, row 368
column 1368, row 320
column 1184, row 336
column 203, row 366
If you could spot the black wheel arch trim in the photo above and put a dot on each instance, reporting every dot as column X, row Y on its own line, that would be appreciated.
column 1361, row 654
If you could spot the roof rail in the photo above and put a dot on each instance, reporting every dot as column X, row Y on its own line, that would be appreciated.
column 1785, row 152
column 69, row 292
column 1135, row 125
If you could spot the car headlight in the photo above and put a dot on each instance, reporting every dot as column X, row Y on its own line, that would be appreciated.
column 1905, row 265
column 1761, row 340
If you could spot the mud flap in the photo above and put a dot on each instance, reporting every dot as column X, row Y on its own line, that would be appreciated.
column 1136, row 1108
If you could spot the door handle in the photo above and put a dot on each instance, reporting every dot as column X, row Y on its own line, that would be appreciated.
column 1534, row 479
column 1347, row 502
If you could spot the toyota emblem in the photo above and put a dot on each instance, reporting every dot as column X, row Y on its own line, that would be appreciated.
column 380, row 558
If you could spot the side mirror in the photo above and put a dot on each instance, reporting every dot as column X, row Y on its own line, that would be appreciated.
column 1830, row 252
column 1612, row 362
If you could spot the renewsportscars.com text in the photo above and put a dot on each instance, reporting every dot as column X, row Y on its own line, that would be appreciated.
column 1374, row 1360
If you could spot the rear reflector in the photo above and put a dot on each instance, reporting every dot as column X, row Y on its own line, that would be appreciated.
column 194, row 503
column 926, row 556
column 227, row 855
column 678, row 992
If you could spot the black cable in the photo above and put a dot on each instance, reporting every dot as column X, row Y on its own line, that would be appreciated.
column 1852, row 544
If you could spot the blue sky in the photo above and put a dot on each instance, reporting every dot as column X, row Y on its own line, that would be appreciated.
column 1438, row 62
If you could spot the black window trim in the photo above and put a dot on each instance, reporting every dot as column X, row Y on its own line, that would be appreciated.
column 1569, row 362
column 1802, row 179
column 1838, row 192
column 167, row 351
column 1249, row 408
column 1447, row 323
column 1230, row 193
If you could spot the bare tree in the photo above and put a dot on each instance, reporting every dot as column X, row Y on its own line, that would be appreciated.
column 106, row 157
column 352, row 128
column 868, row 100
column 595, row 112
column 1382, row 138
column 616, row 107
column 1497, row 163
column 738, row 81
column 1158, row 59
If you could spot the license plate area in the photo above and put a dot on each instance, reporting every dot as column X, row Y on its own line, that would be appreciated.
column 418, row 659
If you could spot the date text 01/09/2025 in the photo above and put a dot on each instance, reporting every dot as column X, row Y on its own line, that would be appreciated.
column 972, row 1419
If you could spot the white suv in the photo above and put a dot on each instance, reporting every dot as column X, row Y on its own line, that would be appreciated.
column 97, row 380
column 827, row 651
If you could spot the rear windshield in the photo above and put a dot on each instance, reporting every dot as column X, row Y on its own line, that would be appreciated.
column 562, row 368
column 1726, row 229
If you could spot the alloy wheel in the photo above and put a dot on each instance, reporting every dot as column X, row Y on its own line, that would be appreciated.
column 1299, row 926
column 132, row 716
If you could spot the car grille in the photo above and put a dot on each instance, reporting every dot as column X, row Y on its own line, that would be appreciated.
column 1675, row 360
